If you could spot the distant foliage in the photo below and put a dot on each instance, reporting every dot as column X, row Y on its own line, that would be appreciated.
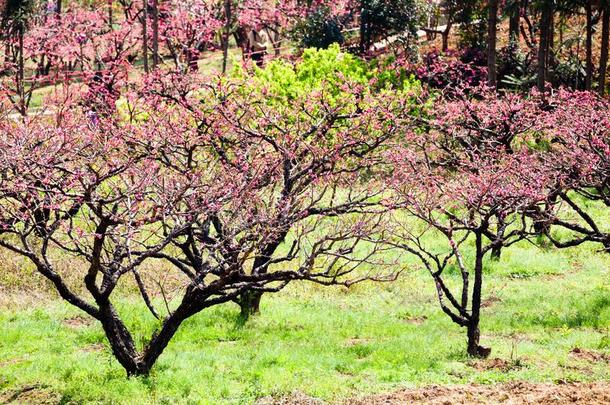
column 381, row 17
column 320, row 29
column 448, row 71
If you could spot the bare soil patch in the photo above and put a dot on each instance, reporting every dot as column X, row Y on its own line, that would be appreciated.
column 9, row 362
column 295, row 399
column 78, row 321
column 416, row 320
column 30, row 394
column 490, row 301
column 494, row 364
column 589, row 355
column 356, row 342
column 512, row 393
column 93, row 348
column 509, row 394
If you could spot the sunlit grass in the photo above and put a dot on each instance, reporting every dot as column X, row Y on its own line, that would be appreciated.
column 330, row 343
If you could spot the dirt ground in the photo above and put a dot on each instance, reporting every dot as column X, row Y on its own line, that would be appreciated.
column 512, row 393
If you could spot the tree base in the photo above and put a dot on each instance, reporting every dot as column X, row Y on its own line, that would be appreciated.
column 479, row 351
column 249, row 304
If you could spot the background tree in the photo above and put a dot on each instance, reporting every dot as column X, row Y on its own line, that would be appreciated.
column 464, row 188
column 381, row 18
column 319, row 29
column 14, row 24
column 605, row 43
column 547, row 8
column 577, row 131
column 492, row 30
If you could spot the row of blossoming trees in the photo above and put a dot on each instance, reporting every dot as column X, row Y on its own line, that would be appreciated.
column 44, row 42
column 49, row 41
column 240, row 192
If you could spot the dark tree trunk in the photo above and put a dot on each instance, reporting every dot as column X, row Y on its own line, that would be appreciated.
column 192, row 303
column 445, row 34
column 110, row 14
column 603, row 58
column 155, row 33
column 226, row 35
column 589, row 46
column 473, row 340
column 545, row 22
column 364, row 41
column 249, row 304
column 20, row 72
column 513, row 27
column 121, row 341
column 474, row 348
column 145, row 35
column 492, row 22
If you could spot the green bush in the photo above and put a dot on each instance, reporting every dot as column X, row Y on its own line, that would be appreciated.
column 328, row 69
column 319, row 68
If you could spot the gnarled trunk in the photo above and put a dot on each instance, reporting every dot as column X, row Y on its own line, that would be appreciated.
column 474, row 348
column 121, row 341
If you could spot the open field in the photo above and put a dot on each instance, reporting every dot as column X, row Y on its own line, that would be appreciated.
column 546, row 316
column 379, row 172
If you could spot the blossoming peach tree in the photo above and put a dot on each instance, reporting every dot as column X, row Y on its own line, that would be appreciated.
column 576, row 134
column 469, row 179
column 237, row 196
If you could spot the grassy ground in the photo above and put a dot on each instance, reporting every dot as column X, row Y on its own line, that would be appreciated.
column 546, row 317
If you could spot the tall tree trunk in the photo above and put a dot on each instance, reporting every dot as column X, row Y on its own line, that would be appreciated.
column 364, row 42
column 110, row 14
column 226, row 35
column 513, row 26
column 145, row 35
column 446, row 32
column 603, row 58
column 589, row 46
column 21, row 72
column 550, row 44
column 58, row 6
column 155, row 33
column 545, row 21
column 492, row 22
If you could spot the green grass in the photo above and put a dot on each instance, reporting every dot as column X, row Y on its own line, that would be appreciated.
column 329, row 343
